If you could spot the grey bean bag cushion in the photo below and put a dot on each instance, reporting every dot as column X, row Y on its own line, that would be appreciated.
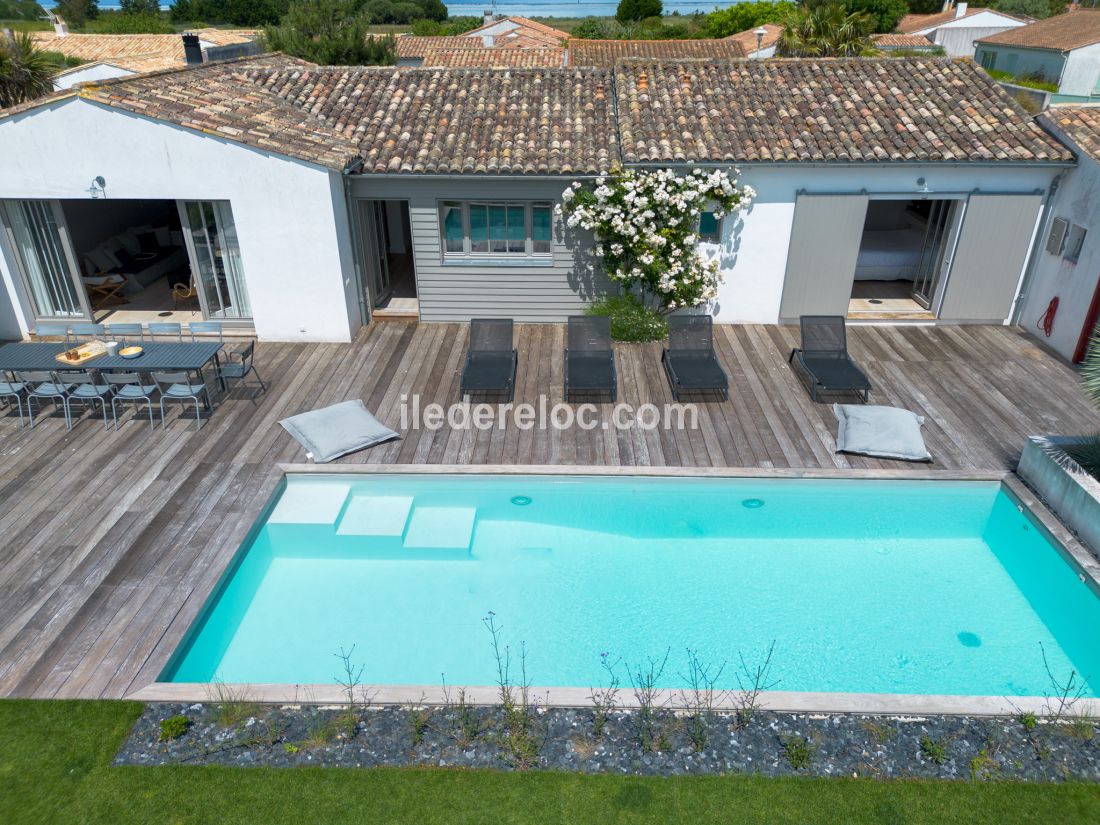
column 883, row 432
column 331, row 432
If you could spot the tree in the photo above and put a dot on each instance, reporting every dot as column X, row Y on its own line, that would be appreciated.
column 120, row 22
column 592, row 28
column 77, row 12
column 26, row 72
column 886, row 13
column 1029, row 8
column 631, row 11
column 826, row 30
column 146, row 7
column 744, row 16
column 21, row 10
column 924, row 6
column 329, row 32
column 251, row 13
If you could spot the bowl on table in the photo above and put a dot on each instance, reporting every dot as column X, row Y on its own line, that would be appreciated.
column 131, row 352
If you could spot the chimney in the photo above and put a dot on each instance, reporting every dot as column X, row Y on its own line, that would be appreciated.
column 488, row 17
column 946, row 6
column 192, row 49
column 60, row 27
column 960, row 10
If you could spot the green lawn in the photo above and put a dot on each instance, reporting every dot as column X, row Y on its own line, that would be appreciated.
column 55, row 768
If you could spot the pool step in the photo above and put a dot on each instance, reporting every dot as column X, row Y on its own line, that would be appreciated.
column 375, row 516
column 315, row 503
column 440, row 528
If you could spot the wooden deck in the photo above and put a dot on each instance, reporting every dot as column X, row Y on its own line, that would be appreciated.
column 112, row 540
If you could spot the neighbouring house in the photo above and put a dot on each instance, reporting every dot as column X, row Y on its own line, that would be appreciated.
column 1063, row 51
column 759, row 42
column 1061, row 300
column 517, row 31
column 605, row 53
column 895, row 42
column 958, row 27
column 304, row 201
column 122, row 55
column 457, row 58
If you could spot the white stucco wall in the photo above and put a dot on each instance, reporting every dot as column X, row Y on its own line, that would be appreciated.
column 753, row 251
column 1082, row 72
column 958, row 41
column 88, row 73
column 1078, row 201
column 290, row 216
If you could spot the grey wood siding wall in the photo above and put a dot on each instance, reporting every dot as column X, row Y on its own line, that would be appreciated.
column 564, row 286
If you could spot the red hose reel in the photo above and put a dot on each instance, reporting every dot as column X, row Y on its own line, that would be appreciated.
column 1046, row 322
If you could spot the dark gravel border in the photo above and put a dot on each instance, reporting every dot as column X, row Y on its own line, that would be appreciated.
column 771, row 744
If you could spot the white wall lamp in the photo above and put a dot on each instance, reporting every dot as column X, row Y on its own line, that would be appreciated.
column 98, row 189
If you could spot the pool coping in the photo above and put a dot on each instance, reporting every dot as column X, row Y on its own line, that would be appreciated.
column 1073, row 551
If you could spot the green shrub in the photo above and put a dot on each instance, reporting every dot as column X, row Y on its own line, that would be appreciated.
column 118, row 22
column 634, row 10
column 934, row 750
column 630, row 320
column 174, row 727
column 798, row 751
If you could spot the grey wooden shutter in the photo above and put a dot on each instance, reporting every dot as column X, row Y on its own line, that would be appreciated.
column 821, row 261
column 990, row 256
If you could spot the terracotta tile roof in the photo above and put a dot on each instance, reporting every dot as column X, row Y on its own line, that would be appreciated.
column 410, row 45
column 460, row 121
column 902, row 41
column 912, row 109
column 136, row 52
column 605, row 53
column 507, row 58
column 1081, row 124
column 920, row 22
column 747, row 38
column 526, row 26
column 1061, row 33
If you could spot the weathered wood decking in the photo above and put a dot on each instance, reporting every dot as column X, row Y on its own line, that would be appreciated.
column 111, row 541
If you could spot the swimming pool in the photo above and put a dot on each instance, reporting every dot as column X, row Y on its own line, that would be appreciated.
column 864, row 586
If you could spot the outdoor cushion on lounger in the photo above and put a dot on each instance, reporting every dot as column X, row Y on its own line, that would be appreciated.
column 331, row 432
column 883, row 432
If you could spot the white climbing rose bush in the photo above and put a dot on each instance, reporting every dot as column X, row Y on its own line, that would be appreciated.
column 646, row 226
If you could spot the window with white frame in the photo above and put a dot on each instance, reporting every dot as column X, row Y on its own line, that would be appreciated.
column 496, row 229
column 1075, row 239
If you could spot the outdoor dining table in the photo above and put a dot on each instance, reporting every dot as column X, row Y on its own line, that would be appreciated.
column 182, row 357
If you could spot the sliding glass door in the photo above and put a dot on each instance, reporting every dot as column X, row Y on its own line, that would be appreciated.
column 40, row 239
column 215, row 259
column 935, row 254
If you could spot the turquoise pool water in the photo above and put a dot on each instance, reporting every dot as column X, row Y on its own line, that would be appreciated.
column 864, row 586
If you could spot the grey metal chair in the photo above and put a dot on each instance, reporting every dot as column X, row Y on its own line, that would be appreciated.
column 93, row 332
column 166, row 329
column 239, row 366
column 824, row 356
column 178, row 386
column 206, row 329
column 690, row 361
column 589, row 357
column 87, row 387
column 127, row 332
column 130, row 387
column 10, row 388
column 491, row 358
column 53, row 331
column 45, row 386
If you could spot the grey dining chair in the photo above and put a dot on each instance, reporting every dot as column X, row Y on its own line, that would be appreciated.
column 238, row 367
column 45, row 386
column 206, row 329
column 92, row 332
column 52, row 331
column 178, row 386
column 13, row 389
column 130, row 387
column 166, row 329
column 87, row 387
column 127, row 332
